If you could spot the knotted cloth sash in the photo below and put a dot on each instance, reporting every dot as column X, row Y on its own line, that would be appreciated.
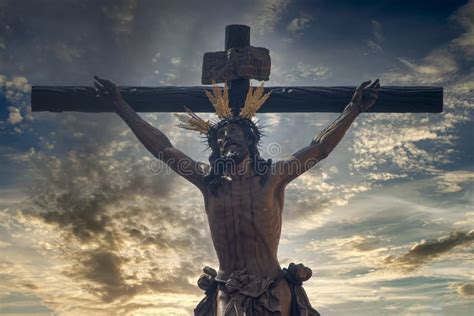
column 253, row 295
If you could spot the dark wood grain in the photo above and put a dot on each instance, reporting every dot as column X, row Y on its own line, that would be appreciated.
column 283, row 99
column 237, row 36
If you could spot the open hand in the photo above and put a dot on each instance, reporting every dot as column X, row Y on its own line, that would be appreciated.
column 106, row 90
column 365, row 95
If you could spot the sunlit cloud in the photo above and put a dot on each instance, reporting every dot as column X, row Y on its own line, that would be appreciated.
column 425, row 251
column 466, row 289
column 452, row 181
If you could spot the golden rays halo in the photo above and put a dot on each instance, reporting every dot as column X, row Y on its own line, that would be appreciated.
column 254, row 100
column 193, row 122
column 219, row 99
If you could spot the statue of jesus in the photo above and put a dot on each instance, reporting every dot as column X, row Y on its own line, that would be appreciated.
column 243, row 197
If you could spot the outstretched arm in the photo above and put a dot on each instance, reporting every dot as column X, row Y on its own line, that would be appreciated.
column 152, row 138
column 324, row 143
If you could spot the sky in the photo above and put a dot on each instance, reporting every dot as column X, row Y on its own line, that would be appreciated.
column 91, row 223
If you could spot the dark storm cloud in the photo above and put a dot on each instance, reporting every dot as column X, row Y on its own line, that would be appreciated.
column 424, row 251
column 104, row 269
column 107, row 203
column 74, row 193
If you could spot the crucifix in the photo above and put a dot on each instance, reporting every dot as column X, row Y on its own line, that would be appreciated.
column 243, row 193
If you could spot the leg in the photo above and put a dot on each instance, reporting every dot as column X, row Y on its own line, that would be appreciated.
column 284, row 296
column 222, row 300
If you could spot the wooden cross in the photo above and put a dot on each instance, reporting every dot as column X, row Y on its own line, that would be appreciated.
column 239, row 63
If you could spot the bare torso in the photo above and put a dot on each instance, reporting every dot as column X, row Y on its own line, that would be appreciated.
column 244, row 216
column 245, row 222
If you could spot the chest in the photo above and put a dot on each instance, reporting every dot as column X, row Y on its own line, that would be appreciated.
column 243, row 197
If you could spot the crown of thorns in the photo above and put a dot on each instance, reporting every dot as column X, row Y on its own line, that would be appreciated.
column 220, row 100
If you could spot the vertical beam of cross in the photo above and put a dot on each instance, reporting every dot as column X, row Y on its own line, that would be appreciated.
column 237, row 36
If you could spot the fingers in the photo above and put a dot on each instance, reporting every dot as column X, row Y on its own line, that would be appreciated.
column 364, row 84
column 104, row 88
column 101, row 81
column 374, row 84
column 101, row 89
column 374, row 93
column 368, row 85
column 374, row 89
column 106, row 83
column 98, row 86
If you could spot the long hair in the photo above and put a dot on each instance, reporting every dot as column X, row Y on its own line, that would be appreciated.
column 252, row 133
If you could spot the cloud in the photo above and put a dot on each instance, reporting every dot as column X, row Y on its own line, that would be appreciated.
column 408, row 151
column 75, row 192
column 375, row 42
column 268, row 14
column 122, row 17
column 367, row 247
column 14, row 115
column 377, row 30
column 443, row 64
column 303, row 72
column 119, row 233
column 104, row 269
column 396, row 147
column 299, row 24
column 438, row 67
column 15, row 90
column 425, row 251
column 465, row 17
column 365, row 243
column 156, row 58
column 14, row 86
column 374, row 46
column 313, row 196
column 65, row 52
column 466, row 289
column 176, row 60
column 169, row 78
column 450, row 182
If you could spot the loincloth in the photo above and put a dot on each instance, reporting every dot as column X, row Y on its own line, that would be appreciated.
column 252, row 295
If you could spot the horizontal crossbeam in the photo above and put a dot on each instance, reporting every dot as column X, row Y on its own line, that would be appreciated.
column 392, row 99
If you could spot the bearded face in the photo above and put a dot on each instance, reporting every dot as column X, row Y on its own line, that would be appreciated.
column 233, row 142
